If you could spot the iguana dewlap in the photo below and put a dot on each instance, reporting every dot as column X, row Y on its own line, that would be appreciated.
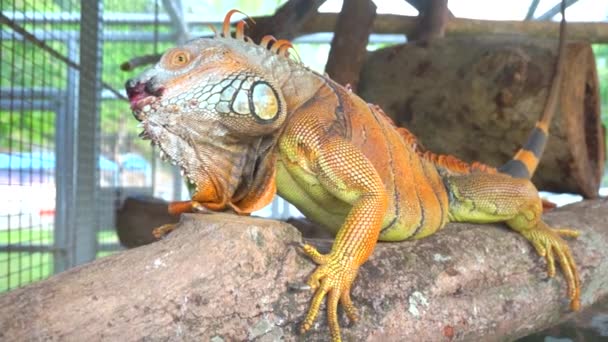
column 245, row 121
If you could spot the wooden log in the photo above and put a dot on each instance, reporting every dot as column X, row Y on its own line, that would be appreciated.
column 225, row 278
column 479, row 98
column 138, row 217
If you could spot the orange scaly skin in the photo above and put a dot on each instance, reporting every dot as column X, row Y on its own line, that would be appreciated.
column 244, row 121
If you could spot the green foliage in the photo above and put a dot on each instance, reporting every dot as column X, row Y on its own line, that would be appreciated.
column 601, row 59
column 21, row 268
column 20, row 131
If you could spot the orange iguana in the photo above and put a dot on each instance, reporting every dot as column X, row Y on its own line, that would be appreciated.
column 244, row 121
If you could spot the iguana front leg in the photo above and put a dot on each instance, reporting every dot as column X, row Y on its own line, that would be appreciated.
column 486, row 198
column 346, row 175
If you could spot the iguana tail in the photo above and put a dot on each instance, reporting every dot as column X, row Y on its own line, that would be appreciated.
column 526, row 160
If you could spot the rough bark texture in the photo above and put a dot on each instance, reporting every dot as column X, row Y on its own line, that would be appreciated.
column 348, row 46
column 137, row 218
column 221, row 277
column 591, row 325
column 286, row 22
column 432, row 20
column 478, row 99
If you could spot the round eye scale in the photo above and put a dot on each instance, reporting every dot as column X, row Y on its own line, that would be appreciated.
column 263, row 101
column 180, row 58
column 177, row 58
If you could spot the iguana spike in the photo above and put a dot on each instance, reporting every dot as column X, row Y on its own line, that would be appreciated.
column 240, row 30
column 280, row 43
column 226, row 25
column 283, row 50
column 266, row 40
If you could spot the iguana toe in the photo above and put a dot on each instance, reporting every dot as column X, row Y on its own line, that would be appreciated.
column 549, row 244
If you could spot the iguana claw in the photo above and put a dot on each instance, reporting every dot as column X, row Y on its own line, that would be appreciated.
column 332, row 279
column 548, row 244
column 162, row 231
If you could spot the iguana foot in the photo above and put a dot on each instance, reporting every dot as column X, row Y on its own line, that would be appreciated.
column 333, row 278
column 548, row 244
column 178, row 208
column 163, row 230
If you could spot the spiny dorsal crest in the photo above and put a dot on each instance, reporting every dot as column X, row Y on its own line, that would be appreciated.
column 280, row 47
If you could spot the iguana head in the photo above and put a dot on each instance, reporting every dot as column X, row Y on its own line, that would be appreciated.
column 215, row 107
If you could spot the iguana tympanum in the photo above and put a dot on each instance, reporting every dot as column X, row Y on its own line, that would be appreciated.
column 244, row 121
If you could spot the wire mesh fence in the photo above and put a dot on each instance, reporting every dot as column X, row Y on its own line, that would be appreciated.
column 33, row 96
column 69, row 152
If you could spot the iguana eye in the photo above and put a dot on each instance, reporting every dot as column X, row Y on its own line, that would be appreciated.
column 177, row 58
column 265, row 101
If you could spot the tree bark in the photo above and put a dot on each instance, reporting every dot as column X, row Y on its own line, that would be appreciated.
column 432, row 21
column 479, row 98
column 593, row 32
column 137, row 218
column 348, row 47
column 286, row 22
column 220, row 277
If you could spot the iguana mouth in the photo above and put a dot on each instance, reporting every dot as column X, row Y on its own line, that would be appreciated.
column 142, row 94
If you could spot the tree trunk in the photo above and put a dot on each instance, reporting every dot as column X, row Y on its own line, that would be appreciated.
column 220, row 277
column 348, row 46
column 478, row 99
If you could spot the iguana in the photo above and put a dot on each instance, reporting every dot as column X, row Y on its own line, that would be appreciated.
column 244, row 121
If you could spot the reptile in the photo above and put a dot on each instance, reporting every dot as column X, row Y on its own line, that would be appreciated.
column 246, row 120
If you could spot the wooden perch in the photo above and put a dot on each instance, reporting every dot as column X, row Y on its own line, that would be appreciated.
column 287, row 21
column 478, row 99
column 221, row 277
column 299, row 17
column 348, row 46
column 432, row 20
column 137, row 218
column 389, row 23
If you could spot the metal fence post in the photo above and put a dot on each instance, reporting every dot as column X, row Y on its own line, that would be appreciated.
column 65, row 144
column 83, row 241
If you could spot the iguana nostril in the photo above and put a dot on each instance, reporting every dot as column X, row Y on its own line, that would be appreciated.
column 152, row 89
column 135, row 89
column 130, row 86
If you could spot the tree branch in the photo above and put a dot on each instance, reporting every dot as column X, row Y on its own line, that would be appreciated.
column 596, row 32
column 223, row 276
column 348, row 47
column 287, row 21
column 432, row 21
